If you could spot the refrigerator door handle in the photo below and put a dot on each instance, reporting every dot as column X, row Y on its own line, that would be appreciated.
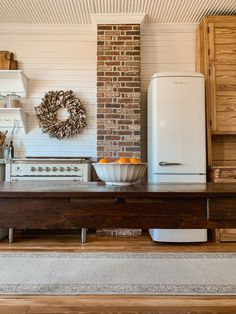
column 166, row 163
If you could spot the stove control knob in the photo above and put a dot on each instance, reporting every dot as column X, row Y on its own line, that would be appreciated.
column 40, row 169
column 54, row 169
column 76, row 169
column 47, row 169
column 68, row 169
column 62, row 168
column 33, row 169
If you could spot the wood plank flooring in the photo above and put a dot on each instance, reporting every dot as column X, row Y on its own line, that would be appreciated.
column 70, row 242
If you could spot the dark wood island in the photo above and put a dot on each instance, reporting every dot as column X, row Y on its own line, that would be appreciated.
column 74, row 205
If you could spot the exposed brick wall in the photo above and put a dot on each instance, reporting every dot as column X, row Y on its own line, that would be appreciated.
column 118, row 90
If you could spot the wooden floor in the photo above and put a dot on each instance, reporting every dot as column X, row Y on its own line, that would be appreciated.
column 70, row 242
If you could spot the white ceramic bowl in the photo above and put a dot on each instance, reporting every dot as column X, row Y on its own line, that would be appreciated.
column 120, row 174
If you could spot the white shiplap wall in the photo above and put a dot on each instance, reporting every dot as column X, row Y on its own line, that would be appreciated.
column 164, row 48
column 64, row 57
column 57, row 57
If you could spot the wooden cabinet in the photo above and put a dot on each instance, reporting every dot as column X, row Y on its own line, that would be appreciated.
column 216, row 59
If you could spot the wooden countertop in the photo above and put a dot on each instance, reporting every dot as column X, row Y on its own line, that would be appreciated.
column 63, row 189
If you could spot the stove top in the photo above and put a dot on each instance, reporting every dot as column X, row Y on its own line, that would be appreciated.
column 56, row 157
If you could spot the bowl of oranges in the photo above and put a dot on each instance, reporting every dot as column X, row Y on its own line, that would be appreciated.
column 122, row 171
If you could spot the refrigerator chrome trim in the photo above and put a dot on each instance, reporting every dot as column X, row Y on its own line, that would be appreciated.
column 169, row 163
column 180, row 173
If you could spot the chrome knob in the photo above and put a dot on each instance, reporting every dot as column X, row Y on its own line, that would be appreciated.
column 62, row 168
column 47, row 169
column 33, row 169
column 40, row 169
column 54, row 169
column 68, row 169
column 76, row 169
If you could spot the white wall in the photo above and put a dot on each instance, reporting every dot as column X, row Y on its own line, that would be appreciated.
column 55, row 58
column 64, row 57
column 164, row 48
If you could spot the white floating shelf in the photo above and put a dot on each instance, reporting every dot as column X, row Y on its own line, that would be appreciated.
column 10, row 117
column 13, row 81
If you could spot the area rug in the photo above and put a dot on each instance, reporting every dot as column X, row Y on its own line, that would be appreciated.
column 118, row 273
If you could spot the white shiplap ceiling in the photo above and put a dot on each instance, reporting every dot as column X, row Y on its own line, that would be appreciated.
column 79, row 11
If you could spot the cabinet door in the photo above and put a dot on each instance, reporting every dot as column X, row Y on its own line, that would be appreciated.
column 222, row 76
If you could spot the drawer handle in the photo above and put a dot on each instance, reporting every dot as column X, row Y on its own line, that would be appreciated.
column 118, row 200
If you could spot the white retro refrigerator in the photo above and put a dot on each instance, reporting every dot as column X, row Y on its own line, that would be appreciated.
column 176, row 139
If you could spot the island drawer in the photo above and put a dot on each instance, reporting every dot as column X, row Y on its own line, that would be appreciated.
column 115, row 211
column 222, row 209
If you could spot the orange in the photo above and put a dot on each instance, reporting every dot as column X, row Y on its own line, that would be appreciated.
column 123, row 160
column 135, row 160
column 103, row 161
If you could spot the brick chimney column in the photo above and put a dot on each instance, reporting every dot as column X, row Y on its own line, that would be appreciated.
column 118, row 90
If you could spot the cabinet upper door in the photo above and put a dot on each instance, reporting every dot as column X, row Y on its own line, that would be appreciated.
column 222, row 42
column 222, row 74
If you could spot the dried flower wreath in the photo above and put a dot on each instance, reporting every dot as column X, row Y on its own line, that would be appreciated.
column 47, row 114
